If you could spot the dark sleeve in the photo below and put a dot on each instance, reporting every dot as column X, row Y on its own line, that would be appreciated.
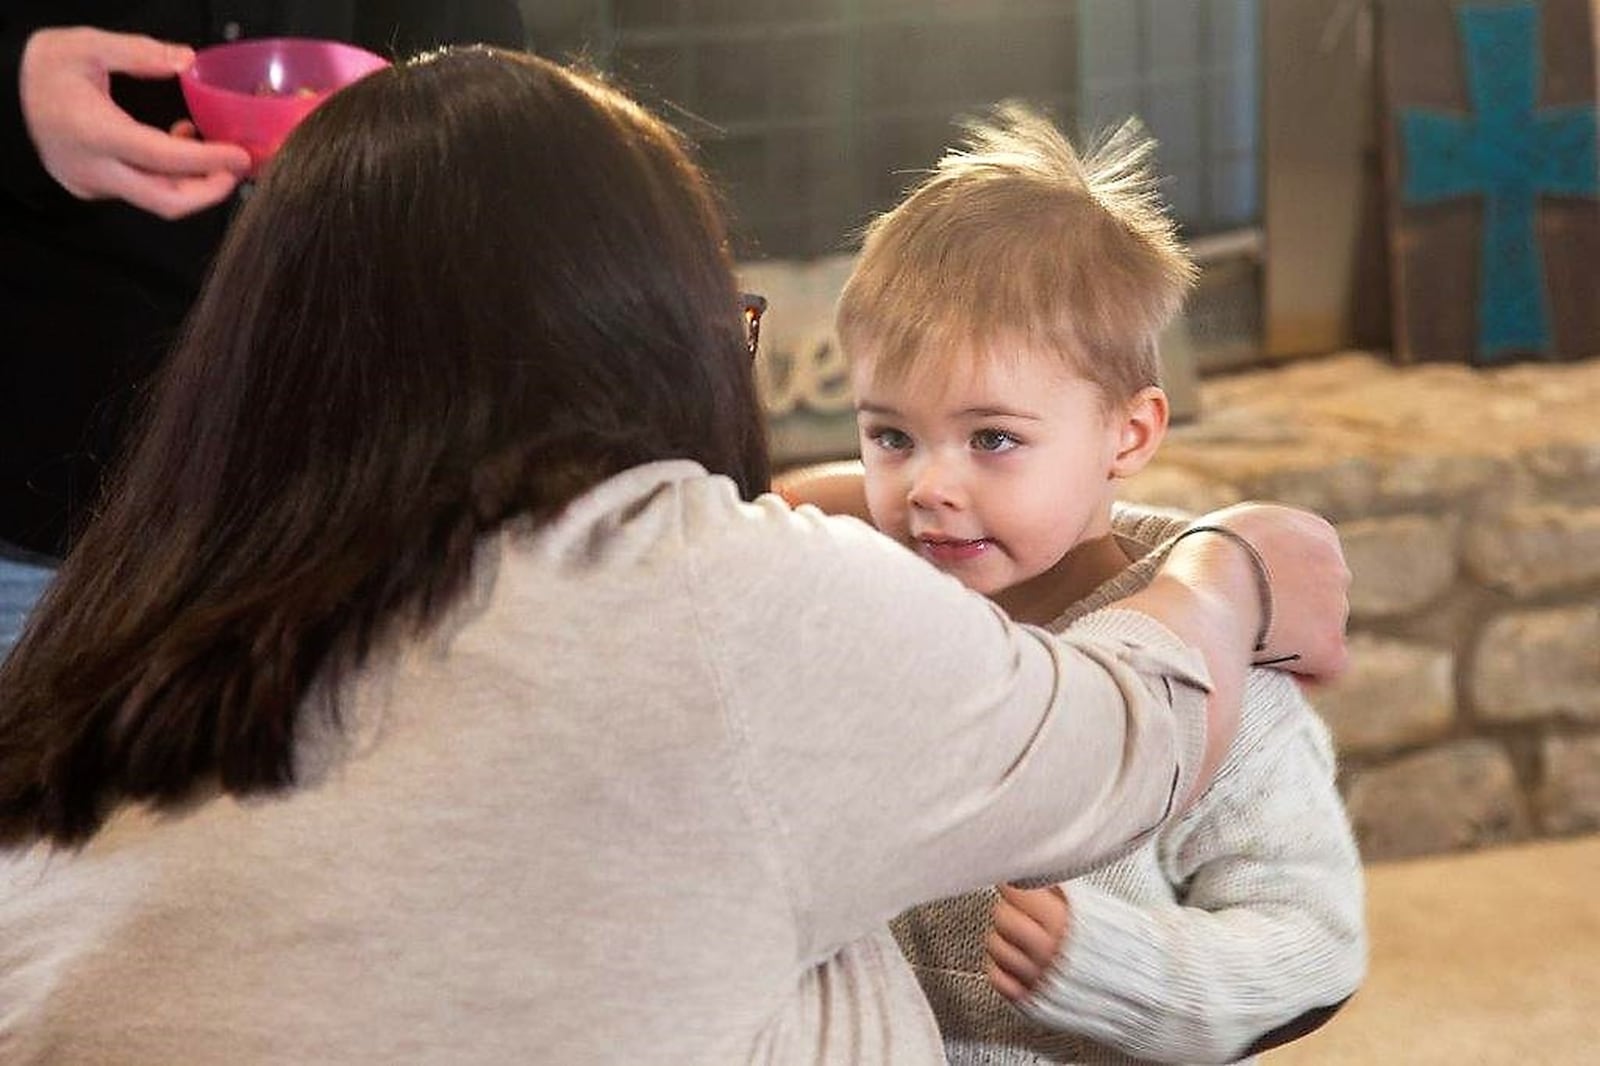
column 1290, row 1031
column 404, row 27
column 21, row 173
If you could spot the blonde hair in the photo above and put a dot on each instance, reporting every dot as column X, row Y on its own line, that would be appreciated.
column 1015, row 238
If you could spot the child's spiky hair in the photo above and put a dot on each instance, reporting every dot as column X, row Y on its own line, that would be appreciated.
column 1014, row 239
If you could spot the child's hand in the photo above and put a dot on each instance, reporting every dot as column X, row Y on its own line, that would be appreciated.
column 1026, row 932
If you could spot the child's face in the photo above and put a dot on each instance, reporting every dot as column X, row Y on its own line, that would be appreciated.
column 992, row 475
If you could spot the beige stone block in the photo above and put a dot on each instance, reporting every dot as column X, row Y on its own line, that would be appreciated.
column 1394, row 694
column 1179, row 488
column 1445, row 799
column 1528, row 550
column 1571, row 465
column 1412, row 478
column 1339, row 488
column 1448, row 622
column 1398, row 565
column 1538, row 664
column 1240, row 425
column 1569, row 799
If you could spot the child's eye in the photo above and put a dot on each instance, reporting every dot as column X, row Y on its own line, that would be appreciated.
column 994, row 440
column 889, row 439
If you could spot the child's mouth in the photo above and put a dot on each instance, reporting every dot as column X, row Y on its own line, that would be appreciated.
column 945, row 550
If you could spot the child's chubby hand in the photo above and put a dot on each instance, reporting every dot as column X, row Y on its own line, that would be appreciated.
column 1026, row 932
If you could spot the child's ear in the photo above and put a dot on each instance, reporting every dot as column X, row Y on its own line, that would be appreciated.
column 1142, row 427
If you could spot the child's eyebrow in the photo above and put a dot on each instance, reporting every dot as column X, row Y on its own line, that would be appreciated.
column 998, row 412
column 867, row 407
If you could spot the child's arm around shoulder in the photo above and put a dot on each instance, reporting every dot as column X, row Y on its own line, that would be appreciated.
column 1265, row 938
column 833, row 488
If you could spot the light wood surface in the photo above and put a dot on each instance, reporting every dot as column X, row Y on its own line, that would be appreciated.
column 1484, row 959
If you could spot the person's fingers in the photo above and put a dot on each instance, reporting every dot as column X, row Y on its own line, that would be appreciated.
column 1306, row 602
column 1310, row 687
column 185, row 130
column 165, row 195
column 1018, row 928
column 1003, row 983
column 1321, row 642
column 1047, row 907
column 136, row 54
column 95, row 150
column 158, row 152
column 1011, row 959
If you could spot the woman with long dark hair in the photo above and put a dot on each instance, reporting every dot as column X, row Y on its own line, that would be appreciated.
column 437, row 683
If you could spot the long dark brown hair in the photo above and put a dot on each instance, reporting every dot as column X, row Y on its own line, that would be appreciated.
column 470, row 287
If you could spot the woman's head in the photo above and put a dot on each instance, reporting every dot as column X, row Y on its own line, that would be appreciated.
column 498, row 259
column 469, row 287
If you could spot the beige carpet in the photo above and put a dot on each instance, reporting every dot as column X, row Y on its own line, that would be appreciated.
column 1487, row 958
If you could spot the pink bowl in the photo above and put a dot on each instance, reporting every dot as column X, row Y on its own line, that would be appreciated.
column 252, row 93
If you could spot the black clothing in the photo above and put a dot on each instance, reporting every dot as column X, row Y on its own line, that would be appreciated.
column 92, row 294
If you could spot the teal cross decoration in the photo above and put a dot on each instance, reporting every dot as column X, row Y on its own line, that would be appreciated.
column 1509, row 153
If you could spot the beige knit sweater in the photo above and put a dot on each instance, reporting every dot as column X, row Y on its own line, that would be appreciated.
column 1234, row 920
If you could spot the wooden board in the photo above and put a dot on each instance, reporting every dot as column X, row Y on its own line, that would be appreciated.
column 1316, row 117
column 1490, row 179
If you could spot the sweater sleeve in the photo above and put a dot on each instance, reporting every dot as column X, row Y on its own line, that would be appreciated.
column 905, row 741
column 1266, row 938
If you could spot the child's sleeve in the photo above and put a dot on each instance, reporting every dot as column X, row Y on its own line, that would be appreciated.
column 1266, row 938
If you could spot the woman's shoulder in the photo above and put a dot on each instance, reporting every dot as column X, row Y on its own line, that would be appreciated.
column 774, row 534
column 676, row 516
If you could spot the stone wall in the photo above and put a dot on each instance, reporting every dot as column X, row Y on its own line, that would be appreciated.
column 1469, row 505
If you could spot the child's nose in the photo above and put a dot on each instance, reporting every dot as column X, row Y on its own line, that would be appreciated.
column 935, row 484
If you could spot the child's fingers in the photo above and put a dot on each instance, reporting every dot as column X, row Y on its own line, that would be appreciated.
column 1025, row 934
column 1003, row 983
column 1046, row 906
column 1018, row 927
column 1007, row 959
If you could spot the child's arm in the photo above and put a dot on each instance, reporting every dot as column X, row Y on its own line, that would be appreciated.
column 1266, row 943
column 834, row 488
column 839, row 487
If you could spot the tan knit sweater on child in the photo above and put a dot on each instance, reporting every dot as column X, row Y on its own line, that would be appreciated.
column 1236, row 919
